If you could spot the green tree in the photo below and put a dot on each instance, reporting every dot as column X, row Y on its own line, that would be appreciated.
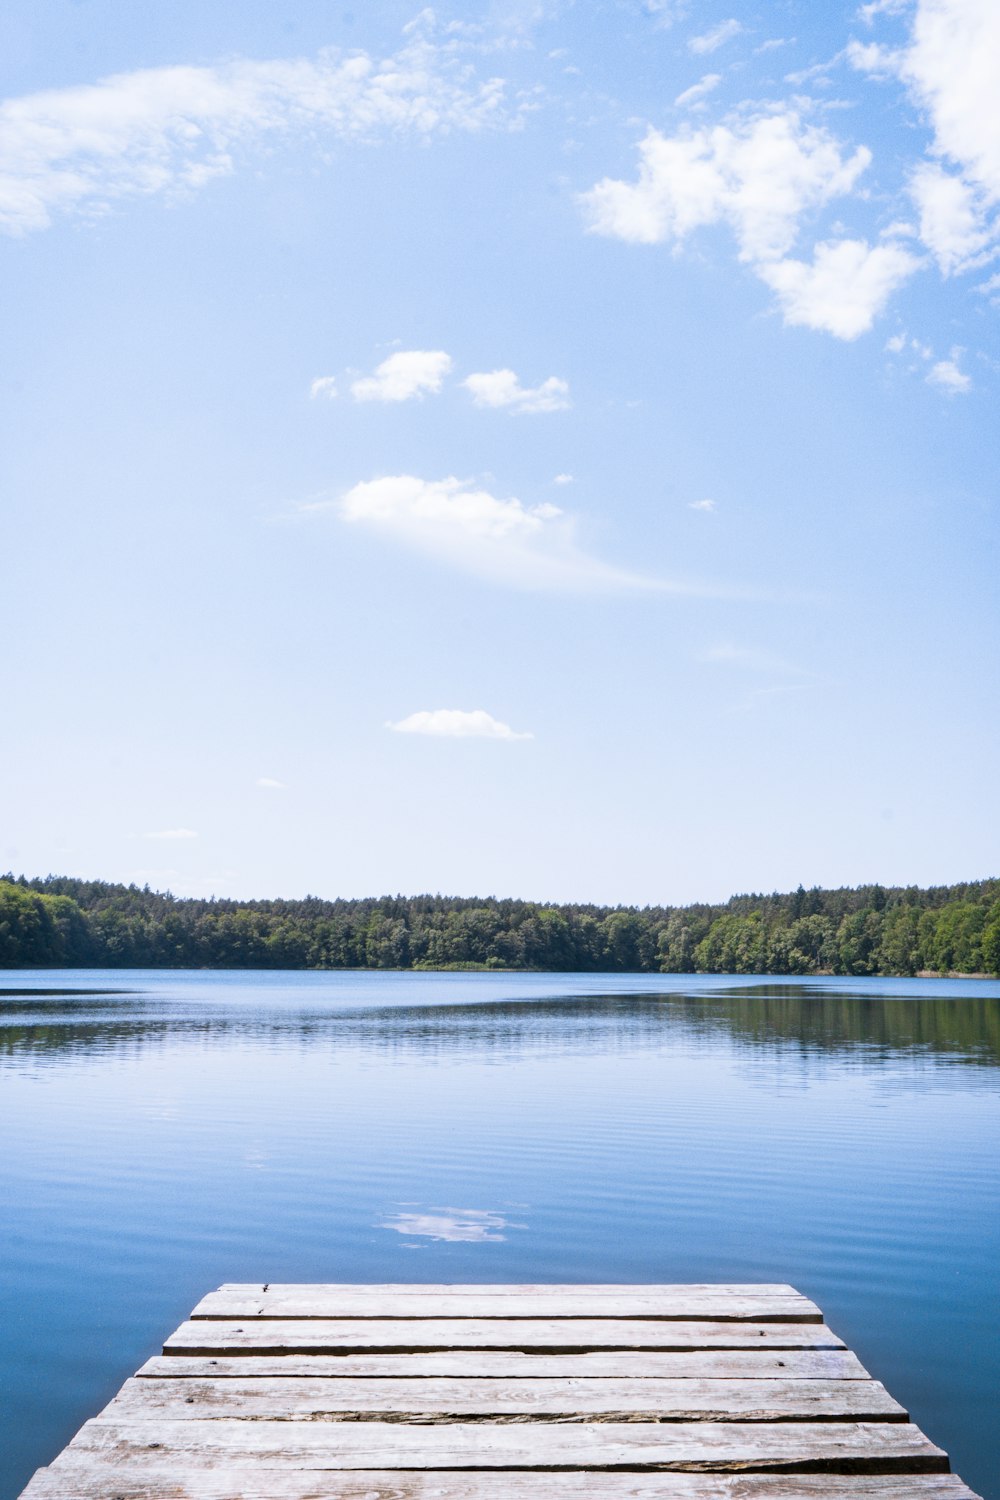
column 857, row 941
column 899, row 949
column 675, row 946
column 991, row 940
column 956, row 944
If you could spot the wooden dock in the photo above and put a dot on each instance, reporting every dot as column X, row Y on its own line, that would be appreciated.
column 488, row 1392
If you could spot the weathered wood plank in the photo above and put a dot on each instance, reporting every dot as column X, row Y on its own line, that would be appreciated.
column 148, row 1478
column 705, row 1364
column 555, row 1302
column 875, row 1447
column 402, row 1335
column 489, row 1393
column 611, row 1400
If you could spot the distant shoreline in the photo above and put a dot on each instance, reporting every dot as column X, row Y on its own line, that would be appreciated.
column 907, row 931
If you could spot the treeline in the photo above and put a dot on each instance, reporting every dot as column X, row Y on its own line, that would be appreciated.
column 63, row 922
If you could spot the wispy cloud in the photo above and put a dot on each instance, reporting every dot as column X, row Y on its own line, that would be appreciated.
column 664, row 13
column 404, row 375
column 523, row 546
column 947, row 376
column 563, row 479
column 707, row 505
column 270, row 783
column 458, row 724
column 173, row 833
column 902, row 343
column 954, row 222
column 867, row 13
column 323, row 387
column 501, row 388
column 699, row 90
column 174, row 129
column 751, row 659
column 710, row 41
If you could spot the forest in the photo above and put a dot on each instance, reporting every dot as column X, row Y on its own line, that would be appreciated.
column 61, row 922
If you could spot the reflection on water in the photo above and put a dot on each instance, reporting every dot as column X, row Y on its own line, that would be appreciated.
column 164, row 1133
column 471, row 1226
column 962, row 1024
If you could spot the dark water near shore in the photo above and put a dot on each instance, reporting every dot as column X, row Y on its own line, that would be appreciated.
column 164, row 1132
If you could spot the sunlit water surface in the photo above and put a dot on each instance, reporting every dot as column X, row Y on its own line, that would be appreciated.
column 165, row 1132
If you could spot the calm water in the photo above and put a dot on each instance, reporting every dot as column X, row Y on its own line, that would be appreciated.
column 162, row 1133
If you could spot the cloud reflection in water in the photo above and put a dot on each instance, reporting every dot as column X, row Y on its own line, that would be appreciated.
column 470, row 1225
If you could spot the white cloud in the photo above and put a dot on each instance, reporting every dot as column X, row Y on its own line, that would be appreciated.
column 173, row 833
column 758, row 174
column 324, row 386
column 896, row 344
column 843, row 289
column 950, row 66
column 709, row 41
column 404, row 501
column 176, row 128
column 872, row 57
column 501, row 388
column 523, row 546
column 817, row 74
column 699, row 90
column 947, row 376
column 458, row 724
column 665, row 13
column 952, row 221
column 706, row 505
column 270, row 783
column 563, row 479
column 404, row 375
column 875, row 8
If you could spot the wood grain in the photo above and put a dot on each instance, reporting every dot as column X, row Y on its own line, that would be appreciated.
column 409, row 1399
column 878, row 1447
column 402, row 1335
column 149, row 1478
column 726, row 1302
column 530, row 1392
column 705, row 1364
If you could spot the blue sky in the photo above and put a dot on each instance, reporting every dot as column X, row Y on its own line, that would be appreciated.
column 521, row 448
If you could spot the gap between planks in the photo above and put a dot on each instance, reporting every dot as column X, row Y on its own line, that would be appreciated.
column 725, row 1364
column 428, row 1398
column 477, row 1392
column 724, row 1303
column 870, row 1447
column 553, row 1335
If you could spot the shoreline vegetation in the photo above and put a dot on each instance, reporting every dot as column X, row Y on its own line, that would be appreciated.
column 63, row 922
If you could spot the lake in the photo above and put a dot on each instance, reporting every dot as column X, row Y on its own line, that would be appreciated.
column 163, row 1132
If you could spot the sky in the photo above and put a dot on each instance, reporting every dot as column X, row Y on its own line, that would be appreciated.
column 514, row 448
